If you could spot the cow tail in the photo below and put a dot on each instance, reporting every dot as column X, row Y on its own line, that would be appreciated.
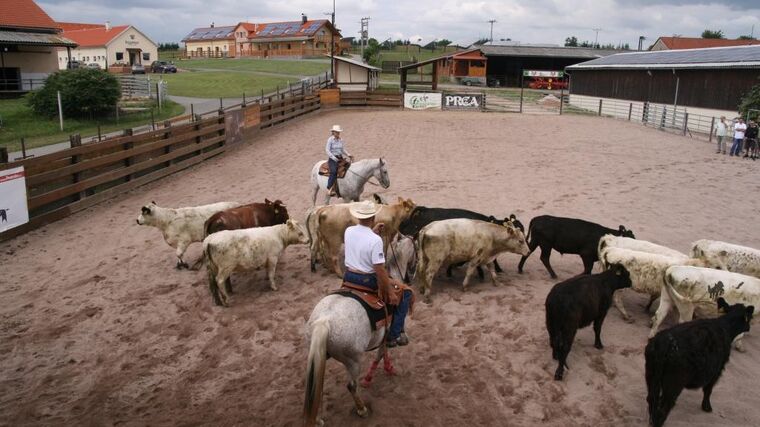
column 211, row 271
column 315, row 371
column 655, row 372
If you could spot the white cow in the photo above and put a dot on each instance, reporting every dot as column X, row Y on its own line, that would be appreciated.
column 464, row 240
column 181, row 226
column 647, row 271
column 727, row 256
column 247, row 249
column 612, row 241
column 691, row 289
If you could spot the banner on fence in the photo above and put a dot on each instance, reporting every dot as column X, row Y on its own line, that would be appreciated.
column 541, row 73
column 13, row 208
column 422, row 100
column 463, row 101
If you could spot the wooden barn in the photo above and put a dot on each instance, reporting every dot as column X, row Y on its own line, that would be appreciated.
column 707, row 81
column 467, row 65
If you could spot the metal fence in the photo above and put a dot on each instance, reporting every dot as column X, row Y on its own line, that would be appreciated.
column 665, row 117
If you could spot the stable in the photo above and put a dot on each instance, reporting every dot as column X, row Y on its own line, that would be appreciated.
column 107, row 46
column 352, row 75
column 506, row 62
column 461, row 67
column 709, row 81
column 29, row 40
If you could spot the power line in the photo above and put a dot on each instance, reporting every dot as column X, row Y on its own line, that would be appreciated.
column 364, row 34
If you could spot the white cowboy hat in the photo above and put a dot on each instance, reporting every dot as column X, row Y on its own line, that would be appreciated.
column 363, row 210
column 336, row 128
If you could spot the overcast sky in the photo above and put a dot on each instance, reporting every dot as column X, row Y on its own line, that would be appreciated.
column 535, row 21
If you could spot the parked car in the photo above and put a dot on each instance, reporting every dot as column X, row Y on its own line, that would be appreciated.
column 93, row 66
column 162, row 67
column 493, row 82
column 73, row 64
column 138, row 69
column 472, row 81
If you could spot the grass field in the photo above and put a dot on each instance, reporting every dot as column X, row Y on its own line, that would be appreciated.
column 224, row 84
column 305, row 67
column 19, row 121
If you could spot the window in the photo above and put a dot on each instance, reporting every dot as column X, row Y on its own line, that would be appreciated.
column 119, row 56
column 288, row 46
column 146, row 56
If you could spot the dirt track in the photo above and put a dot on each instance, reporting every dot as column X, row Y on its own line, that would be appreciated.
column 97, row 328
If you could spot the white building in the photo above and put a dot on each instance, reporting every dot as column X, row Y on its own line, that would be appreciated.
column 352, row 75
column 106, row 45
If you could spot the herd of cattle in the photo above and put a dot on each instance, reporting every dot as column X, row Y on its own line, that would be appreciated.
column 716, row 277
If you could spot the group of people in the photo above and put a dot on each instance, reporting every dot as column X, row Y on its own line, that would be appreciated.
column 744, row 138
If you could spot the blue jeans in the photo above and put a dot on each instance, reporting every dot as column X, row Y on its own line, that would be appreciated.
column 736, row 149
column 366, row 280
column 399, row 316
column 333, row 165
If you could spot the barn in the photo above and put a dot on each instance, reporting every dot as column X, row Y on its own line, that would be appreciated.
column 507, row 62
column 707, row 82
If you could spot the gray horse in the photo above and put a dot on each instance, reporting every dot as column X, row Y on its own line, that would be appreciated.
column 339, row 326
column 352, row 185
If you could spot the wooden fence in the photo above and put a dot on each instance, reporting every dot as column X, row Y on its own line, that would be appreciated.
column 67, row 181
column 372, row 99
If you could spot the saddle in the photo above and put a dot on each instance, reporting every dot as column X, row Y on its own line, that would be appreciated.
column 343, row 166
column 377, row 311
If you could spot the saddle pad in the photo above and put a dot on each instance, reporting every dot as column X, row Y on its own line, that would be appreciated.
column 374, row 307
column 343, row 166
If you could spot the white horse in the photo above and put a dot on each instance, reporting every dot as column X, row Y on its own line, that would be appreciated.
column 339, row 326
column 352, row 185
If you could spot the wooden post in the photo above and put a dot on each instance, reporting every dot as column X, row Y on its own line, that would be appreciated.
column 221, row 105
column 243, row 104
column 600, row 107
column 3, row 154
column 23, row 149
column 645, row 113
column 712, row 129
column 99, row 134
column 685, row 122
column 192, row 113
column 167, row 135
column 128, row 146
column 152, row 120
column 76, row 141
column 630, row 110
column 521, row 90
column 561, row 98
column 435, row 76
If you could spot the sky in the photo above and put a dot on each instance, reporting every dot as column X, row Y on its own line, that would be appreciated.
column 535, row 21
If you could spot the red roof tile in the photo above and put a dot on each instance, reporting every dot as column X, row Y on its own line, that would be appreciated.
column 24, row 14
column 94, row 36
column 675, row 43
column 71, row 26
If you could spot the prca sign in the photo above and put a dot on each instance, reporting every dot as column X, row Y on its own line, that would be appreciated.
column 464, row 101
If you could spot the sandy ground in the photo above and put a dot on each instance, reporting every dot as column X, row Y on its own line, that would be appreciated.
column 97, row 328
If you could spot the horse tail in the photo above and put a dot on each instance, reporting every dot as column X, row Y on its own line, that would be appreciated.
column 315, row 371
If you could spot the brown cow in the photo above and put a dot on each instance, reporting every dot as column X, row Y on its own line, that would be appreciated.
column 248, row 216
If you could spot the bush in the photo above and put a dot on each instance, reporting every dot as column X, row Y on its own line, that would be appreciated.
column 751, row 101
column 84, row 93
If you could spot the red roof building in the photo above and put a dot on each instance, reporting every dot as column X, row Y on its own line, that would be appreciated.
column 106, row 46
column 25, row 14
column 678, row 43
column 286, row 39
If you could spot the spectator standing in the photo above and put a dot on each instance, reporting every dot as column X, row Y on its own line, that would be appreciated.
column 751, row 140
column 720, row 134
column 739, row 129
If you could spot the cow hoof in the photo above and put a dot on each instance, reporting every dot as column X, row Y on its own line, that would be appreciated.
column 274, row 288
column 558, row 376
column 553, row 276
column 599, row 346
column 706, row 407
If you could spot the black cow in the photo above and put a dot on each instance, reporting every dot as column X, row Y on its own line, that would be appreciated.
column 567, row 236
column 575, row 304
column 422, row 216
column 691, row 355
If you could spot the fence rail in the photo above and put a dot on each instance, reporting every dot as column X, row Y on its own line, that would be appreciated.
column 20, row 85
column 372, row 99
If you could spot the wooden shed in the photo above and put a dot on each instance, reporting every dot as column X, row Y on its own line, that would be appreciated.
column 352, row 75
column 464, row 64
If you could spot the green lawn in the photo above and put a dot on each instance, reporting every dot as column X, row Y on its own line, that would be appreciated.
column 19, row 121
column 222, row 84
column 301, row 67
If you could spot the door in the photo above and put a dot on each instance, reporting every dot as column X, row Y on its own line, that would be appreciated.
column 10, row 79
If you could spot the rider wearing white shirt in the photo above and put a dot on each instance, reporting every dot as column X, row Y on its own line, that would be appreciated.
column 365, row 267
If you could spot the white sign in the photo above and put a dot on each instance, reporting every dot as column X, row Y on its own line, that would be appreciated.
column 422, row 100
column 13, row 208
column 538, row 73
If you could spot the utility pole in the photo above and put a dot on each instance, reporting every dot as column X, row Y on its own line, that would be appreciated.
column 641, row 42
column 596, row 38
column 364, row 34
column 492, row 21
column 332, row 41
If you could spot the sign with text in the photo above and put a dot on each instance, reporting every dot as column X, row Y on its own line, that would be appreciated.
column 13, row 208
column 422, row 100
column 539, row 73
column 463, row 101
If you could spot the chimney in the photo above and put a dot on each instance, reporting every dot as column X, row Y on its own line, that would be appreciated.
column 108, row 25
column 303, row 18
column 212, row 25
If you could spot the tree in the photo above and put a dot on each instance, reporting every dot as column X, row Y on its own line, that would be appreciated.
column 571, row 41
column 746, row 37
column 371, row 51
column 710, row 34
column 750, row 103
column 168, row 46
column 84, row 93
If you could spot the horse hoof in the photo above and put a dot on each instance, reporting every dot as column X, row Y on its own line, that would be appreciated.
column 363, row 413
